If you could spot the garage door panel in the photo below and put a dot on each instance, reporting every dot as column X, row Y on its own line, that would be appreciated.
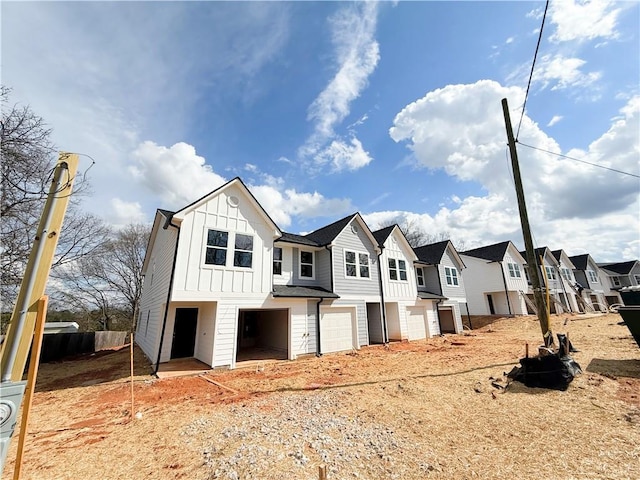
column 415, row 324
column 336, row 329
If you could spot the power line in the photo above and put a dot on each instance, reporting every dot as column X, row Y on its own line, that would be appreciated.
column 578, row 160
column 535, row 55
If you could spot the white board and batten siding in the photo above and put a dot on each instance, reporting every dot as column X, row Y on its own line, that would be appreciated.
column 230, row 211
column 154, row 293
column 398, row 289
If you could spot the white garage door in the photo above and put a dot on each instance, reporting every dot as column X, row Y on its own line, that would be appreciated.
column 336, row 327
column 415, row 324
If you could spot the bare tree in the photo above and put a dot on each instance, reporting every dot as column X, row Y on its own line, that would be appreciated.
column 109, row 279
column 28, row 161
column 417, row 237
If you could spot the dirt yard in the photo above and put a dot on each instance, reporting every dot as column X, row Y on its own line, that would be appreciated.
column 433, row 409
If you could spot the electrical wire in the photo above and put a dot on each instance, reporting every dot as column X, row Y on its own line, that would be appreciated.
column 578, row 160
column 533, row 64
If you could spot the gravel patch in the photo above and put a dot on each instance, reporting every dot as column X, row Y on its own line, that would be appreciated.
column 298, row 432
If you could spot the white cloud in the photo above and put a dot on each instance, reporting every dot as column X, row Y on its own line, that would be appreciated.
column 357, row 55
column 344, row 156
column 460, row 129
column 555, row 119
column 126, row 212
column 177, row 175
column 583, row 20
column 559, row 72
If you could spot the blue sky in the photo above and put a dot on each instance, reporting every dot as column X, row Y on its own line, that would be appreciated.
column 327, row 108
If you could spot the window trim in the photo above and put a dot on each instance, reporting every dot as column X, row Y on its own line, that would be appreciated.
column 238, row 250
column 230, row 249
column 453, row 275
column 592, row 276
column 357, row 263
column 420, row 276
column 398, row 270
column 550, row 272
column 616, row 281
column 393, row 268
column 514, row 269
column 313, row 264
column 273, row 266
column 215, row 247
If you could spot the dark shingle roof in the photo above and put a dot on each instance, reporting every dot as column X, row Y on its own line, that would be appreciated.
column 580, row 261
column 556, row 254
column 325, row 235
column 623, row 268
column 430, row 296
column 299, row 239
column 382, row 234
column 493, row 252
column 302, row 292
column 432, row 253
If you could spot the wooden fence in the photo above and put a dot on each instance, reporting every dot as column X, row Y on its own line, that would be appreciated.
column 59, row 345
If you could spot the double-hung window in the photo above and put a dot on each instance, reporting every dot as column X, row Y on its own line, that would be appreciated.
column 420, row 276
column 451, row 276
column 402, row 269
column 216, row 248
column 356, row 264
column 514, row 270
column 592, row 276
column 616, row 281
column 306, row 264
column 566, row 273
column 551, row 273
column 277, row 261
column 393, row 269
column 243, row 255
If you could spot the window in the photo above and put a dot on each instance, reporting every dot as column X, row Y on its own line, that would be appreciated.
column 551, row 273
column 393, row 269
column 592, row 276
column 243, row 254
column 514, row 270
column 402, row 269
column 616, row 281
column 566, row 273
column 451, row 275
column 420, row 276
column 306, row 264
column 277, row 261
column 350, row 264
column 146, row 327
column 359, row 269
column 216, row 248
column 637, row 277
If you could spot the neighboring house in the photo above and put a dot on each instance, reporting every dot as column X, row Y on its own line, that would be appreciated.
column 222, row 281
column 616, row 276
column 439, row 272
column 565, row 271
column 590, row 287
column 494, row 279
column 340, row 258
column 407, row 314
column 551, row 278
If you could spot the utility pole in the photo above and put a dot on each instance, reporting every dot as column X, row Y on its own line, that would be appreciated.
column 19, row 338
column 534, row 271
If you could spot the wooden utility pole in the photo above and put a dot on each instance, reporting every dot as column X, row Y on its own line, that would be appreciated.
column 534, row 271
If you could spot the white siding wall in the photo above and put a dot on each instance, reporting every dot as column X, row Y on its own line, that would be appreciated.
column 357, row 242
column 481, row 276
column 514, row 283
column 287, row 267
column 154, row 293
column 194, row 280
column 397, row 289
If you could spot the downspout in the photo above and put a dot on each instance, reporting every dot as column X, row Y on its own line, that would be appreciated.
column 166, row 308
column 441, row 293
column 318, row 352
column 383, row 308
column 506, row 291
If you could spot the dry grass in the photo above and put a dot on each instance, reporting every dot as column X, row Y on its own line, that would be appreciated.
column 436, row 395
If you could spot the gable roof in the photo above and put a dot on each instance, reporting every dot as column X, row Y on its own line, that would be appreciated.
column 539, row 252
column 327, row 234
column 382, row 234
column 622, row 268
column 432, row 253
column 495, row 252
column 180, row 214
column 580, row 261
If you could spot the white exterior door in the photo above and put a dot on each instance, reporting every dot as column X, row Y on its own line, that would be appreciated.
column 415, row 324
column 336, row 327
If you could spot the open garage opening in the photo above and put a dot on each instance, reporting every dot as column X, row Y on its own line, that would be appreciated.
column 262, row 335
